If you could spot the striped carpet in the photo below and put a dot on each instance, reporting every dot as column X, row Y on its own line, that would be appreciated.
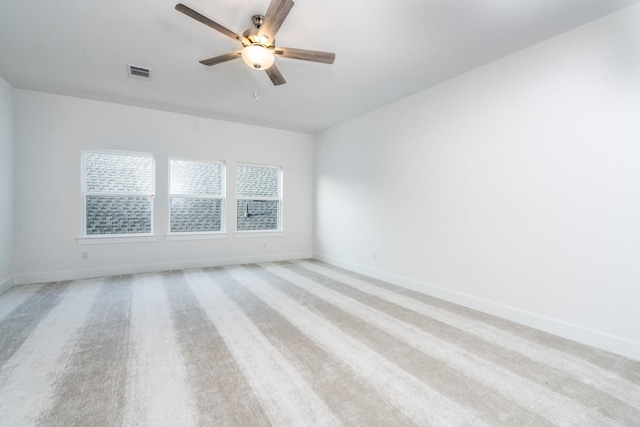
column 295, row 343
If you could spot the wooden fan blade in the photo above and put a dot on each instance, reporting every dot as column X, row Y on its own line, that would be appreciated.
column 222, row 58
column 306, row 55
column 275, row 16
column 208, row 22
column 275, row 75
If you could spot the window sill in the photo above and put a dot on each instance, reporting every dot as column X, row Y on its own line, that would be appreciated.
column 258, row 234
column 111, row 239
column 195, row 236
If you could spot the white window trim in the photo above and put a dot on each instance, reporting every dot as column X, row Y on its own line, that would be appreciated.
column 262, row 233
column 198, row 235
column 250, row 234
column 99, row 239
column 90, row 239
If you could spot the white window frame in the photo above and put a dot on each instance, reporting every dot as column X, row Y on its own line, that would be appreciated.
column 85, row 238
column 261, row 233
column 198, row 235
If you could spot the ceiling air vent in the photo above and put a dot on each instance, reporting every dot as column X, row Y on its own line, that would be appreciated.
column 138, row 72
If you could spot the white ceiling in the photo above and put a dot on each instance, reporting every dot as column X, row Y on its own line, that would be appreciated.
column 385, row 50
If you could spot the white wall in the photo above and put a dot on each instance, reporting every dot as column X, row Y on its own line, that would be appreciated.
column 6, row 186
column 514, row 188
column 51, row 131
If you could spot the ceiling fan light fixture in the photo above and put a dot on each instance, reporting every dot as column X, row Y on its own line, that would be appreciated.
column 258, row 57
column 259, row 43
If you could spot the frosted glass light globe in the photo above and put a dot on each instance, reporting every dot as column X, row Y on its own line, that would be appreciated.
column 258, row 57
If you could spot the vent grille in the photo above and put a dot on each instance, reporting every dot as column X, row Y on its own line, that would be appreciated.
column 138, row 72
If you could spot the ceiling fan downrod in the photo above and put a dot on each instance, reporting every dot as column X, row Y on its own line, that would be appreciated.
column 257, row 20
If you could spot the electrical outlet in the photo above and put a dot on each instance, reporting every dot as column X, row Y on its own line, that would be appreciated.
column 375, row 256
column 84, row 255
column 264, row 245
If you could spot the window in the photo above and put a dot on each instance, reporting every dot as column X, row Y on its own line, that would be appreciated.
column 196, row 196
column 118, row 192
column 259, row 197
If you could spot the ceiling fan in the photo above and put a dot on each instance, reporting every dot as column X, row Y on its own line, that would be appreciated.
column 259, row 44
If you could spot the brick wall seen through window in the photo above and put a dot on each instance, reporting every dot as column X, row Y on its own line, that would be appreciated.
column 259, row 197
column 196, row 196
column 118, row 193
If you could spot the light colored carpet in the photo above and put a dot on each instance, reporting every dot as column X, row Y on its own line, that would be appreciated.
column 289, row 344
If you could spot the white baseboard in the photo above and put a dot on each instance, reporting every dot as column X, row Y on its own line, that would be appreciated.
column 56, row 276
column 7, row 284
column 573, row 332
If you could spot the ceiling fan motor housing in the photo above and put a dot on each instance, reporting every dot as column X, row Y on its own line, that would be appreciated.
column 255, row 38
